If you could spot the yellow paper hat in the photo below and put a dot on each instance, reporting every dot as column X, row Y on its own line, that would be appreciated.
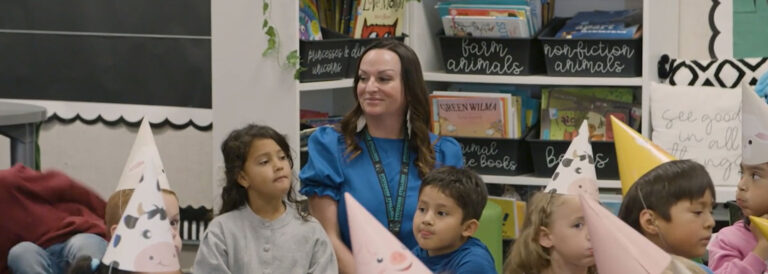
column 636, row 154
column 761, row 224
column 619, row 248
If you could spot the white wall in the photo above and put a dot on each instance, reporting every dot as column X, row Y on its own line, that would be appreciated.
column 248, row 87
column 95, row 155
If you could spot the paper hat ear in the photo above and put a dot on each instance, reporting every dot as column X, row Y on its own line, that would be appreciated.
column 754, row 127
column 761, row 224
column 375, row 249
column 143, row 148
column 636, row 154
column 576, row 172
column 618, row 248
column 143, row 241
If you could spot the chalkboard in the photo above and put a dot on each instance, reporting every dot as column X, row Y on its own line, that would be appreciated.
column 132, row 52
column 496, row 156
column 590, row 57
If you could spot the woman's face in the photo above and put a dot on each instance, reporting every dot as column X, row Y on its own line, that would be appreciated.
column 380, row 90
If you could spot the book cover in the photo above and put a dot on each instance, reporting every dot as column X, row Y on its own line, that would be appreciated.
column 486, row 26
column 506, row 99
column 309, row 22
column 513, row 215
column 471, row 117
column 379, row 18
column 564, row 109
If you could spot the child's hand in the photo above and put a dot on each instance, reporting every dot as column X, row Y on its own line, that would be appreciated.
column 761, row 250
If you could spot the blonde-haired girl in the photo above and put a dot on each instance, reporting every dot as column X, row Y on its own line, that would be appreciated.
column 554, row 238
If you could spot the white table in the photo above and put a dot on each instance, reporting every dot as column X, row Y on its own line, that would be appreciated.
column 18, row 122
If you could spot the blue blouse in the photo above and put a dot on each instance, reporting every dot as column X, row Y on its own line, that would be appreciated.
column 329, row 173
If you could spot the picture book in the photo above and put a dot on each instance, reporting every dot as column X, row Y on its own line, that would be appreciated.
column 379, row 18
column 530, row 11
column 309, row 22
column 612, row 202
column 513, row 215
column 530, row 107
column 564, row 109
column 486, row 26
column 470, row 117
column 621, row 24
column 510, row 108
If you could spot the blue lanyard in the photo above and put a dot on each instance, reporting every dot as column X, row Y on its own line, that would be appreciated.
column 394, row 213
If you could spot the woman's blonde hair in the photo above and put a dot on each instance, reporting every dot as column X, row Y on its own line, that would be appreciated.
column 527, row 255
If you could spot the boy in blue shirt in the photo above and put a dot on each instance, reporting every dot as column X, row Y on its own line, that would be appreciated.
column 451, row 201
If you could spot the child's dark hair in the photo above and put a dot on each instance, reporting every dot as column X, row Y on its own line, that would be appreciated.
column 464, row 186
column 662, row 187
column 235, row 151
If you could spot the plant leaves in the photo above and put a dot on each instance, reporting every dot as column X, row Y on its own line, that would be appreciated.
column 265, row 8
column 265, row 24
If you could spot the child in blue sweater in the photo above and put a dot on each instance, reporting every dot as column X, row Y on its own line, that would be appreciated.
column 451, row 201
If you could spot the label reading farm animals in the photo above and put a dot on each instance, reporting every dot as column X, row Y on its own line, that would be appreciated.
column 481, row 56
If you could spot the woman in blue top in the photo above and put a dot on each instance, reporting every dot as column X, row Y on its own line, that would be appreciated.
column 380, row 154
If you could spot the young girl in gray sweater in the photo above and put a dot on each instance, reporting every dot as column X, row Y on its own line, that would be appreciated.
column 261, row 228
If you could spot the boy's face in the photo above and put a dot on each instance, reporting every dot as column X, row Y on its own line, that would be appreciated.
column 753, row 190
column 567, row 236
column 437, row 223
column 690, row 228
column 172, row 210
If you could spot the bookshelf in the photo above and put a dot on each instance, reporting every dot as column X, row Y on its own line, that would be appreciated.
column 250, row 88
column 532, row 80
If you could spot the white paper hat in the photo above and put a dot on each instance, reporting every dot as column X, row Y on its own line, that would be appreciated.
column 143, row 241
column 143, row 148
column 754, row 127
column 375, row 249
column 576, row 172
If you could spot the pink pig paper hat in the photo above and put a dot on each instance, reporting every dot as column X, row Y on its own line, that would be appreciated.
column 144, row 147
column 618, row 248
column 375, row 249
column 576, row 172
column 754, row 127
column 143, row 241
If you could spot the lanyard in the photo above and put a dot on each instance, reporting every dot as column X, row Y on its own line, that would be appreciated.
column 394, row 213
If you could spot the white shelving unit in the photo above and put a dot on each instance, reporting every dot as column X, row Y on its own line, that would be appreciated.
column 533, row 80
column 325, row 85
column 530, row 180
column 248, row 87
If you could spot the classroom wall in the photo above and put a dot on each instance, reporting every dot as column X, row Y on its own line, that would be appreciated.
column 95, row 155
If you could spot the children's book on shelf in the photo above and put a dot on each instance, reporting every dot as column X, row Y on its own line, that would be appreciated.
column 486, row 26
column 513, row 215
column 530, row 107
column 620, row 24
column 530, row 10
column 470, row 117
column 309, row 22
column 563, row 109
column 379, row 18
column 511, row 106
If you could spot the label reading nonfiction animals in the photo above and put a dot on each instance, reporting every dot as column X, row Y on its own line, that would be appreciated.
column 482, row 56
column 593, row 57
